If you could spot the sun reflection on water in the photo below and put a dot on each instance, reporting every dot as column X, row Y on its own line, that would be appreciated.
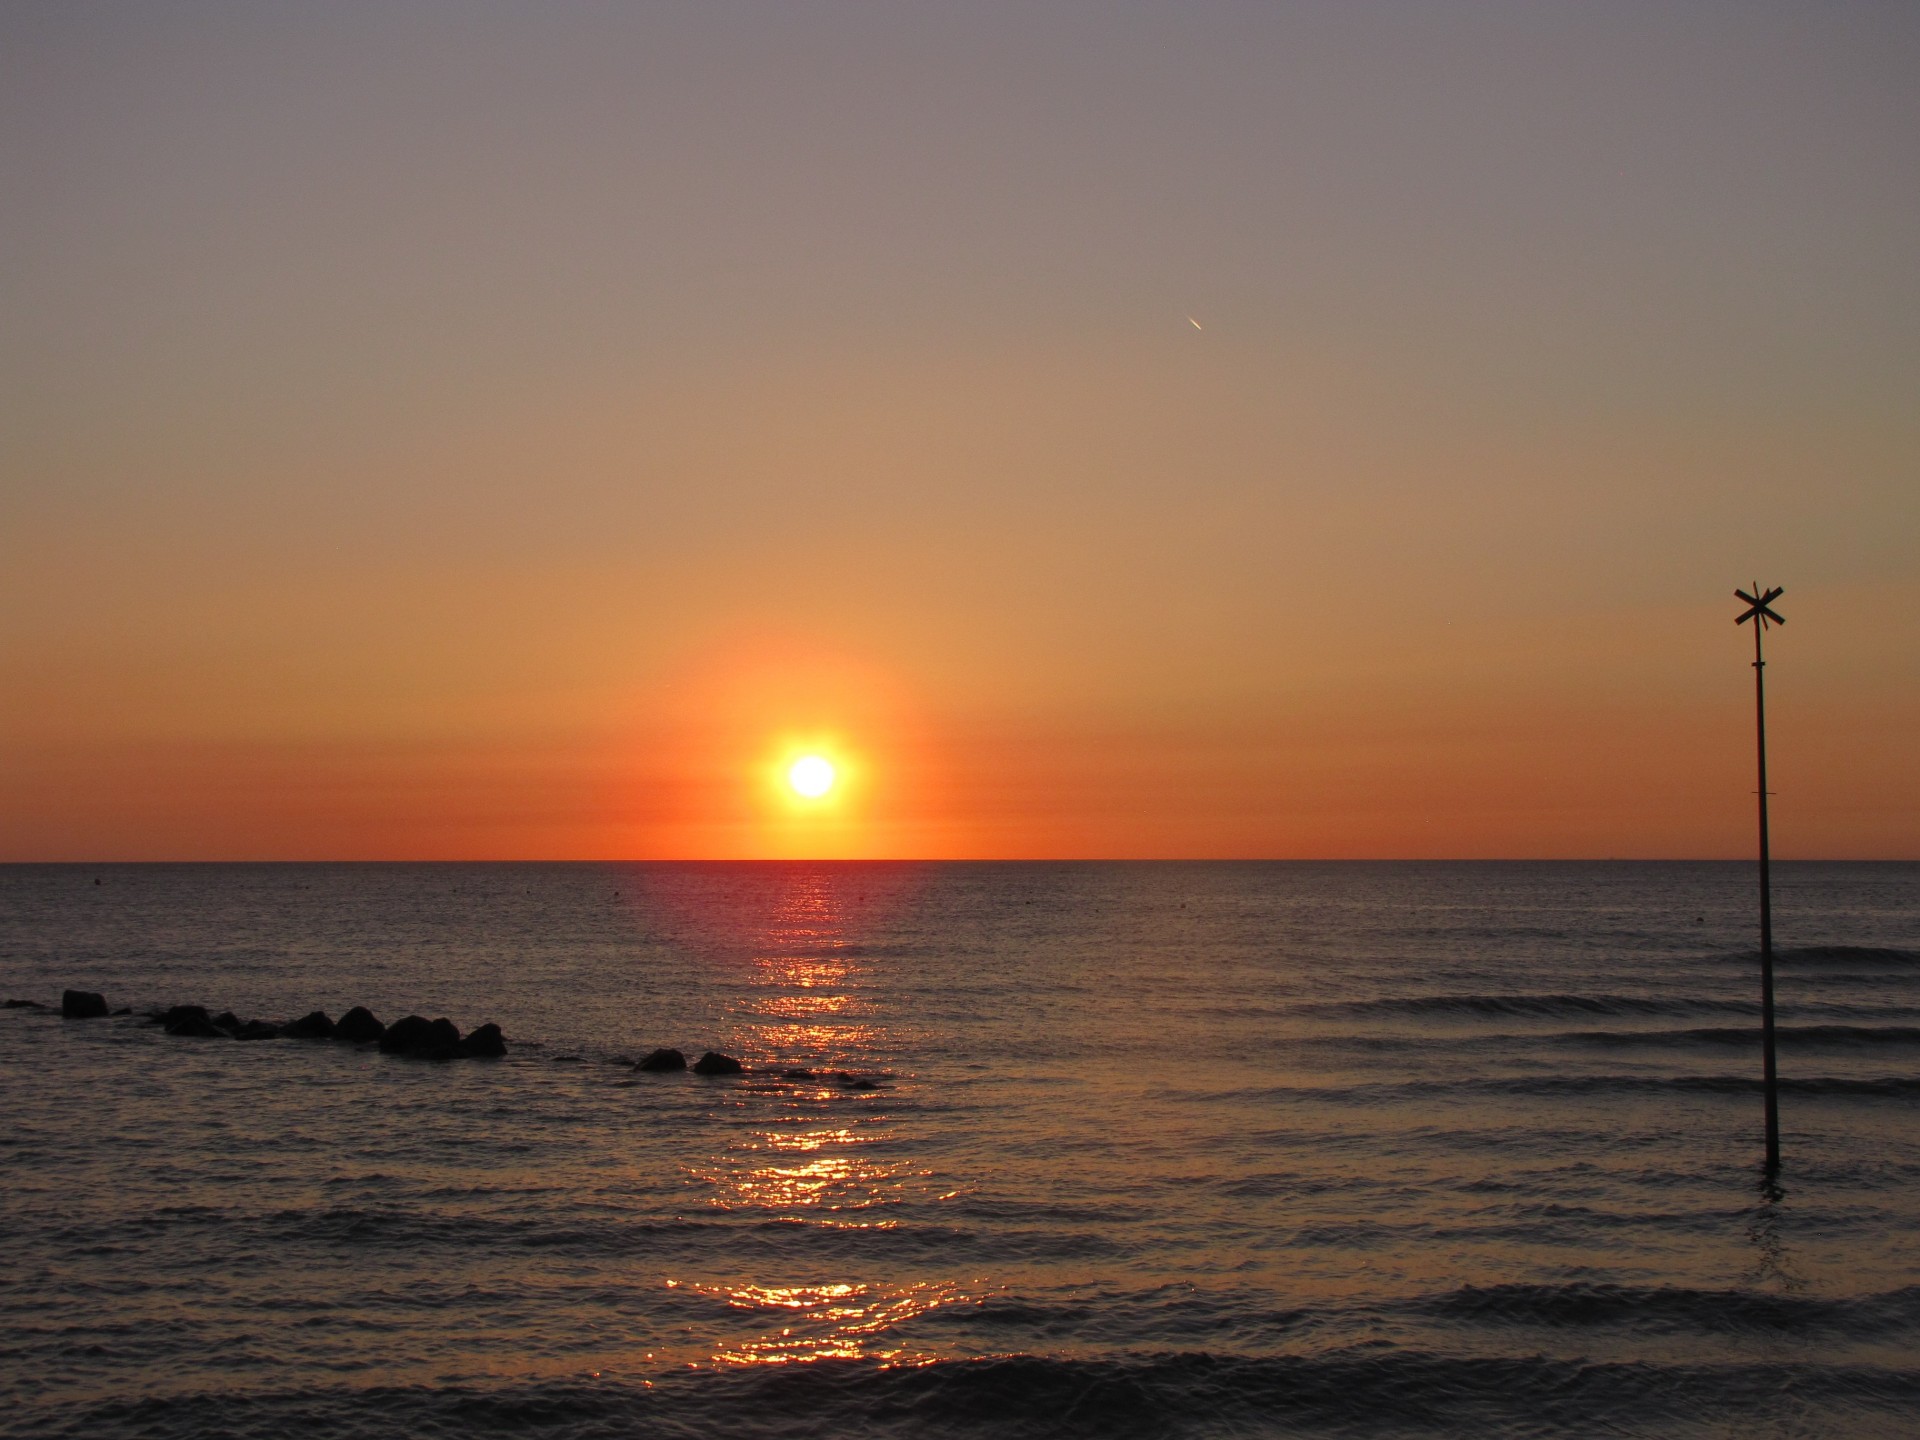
column 830, row 1322
column 800, row 1007
column 819, row 1124
column 805, row 1170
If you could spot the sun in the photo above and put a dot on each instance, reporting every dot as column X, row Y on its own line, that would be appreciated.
column 811, row 776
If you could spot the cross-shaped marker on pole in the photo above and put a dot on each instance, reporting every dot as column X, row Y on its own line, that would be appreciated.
column 1760, row 603
column 1760, row 611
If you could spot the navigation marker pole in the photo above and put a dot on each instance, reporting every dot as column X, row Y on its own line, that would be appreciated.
column 1759, row 610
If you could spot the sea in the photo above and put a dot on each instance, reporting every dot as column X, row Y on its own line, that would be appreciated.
column 1116, row 1150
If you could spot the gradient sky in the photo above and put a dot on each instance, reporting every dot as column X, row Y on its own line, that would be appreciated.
column 437, row 430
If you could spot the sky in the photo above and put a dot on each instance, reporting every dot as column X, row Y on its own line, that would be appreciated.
column 515, row 431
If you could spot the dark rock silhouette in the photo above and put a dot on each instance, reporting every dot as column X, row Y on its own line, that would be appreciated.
column 191, row 1021
column 405, row 1033
column 714, row 1063
column 82, row 1004
column 21, row 1005
column 484, row 1043
column 421, row 1039
column 358, row 1025
column 414, row 1036
column 797, row 1075
column 314, row 1026
column 662, row 1060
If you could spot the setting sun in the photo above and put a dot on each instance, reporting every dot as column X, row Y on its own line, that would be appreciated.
column 811, row 776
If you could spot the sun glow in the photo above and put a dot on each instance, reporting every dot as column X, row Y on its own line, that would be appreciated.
column 815, row 791
column 811, row 776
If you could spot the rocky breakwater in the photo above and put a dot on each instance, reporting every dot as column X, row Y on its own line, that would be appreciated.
column 414, row 1037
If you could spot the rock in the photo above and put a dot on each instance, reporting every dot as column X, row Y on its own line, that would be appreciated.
column 358, row 1025
column 714, row 1063
column 21, row 1005
column 191, row 1021
column 124, row 1010
column 797, row 1075
column 443, row 1041
column 484, row 1043
column 313, row 1026
column 422, row 1039
column 227, row 1021
column 404, row 1033
column 256, row 1030
column 82, row 1004
column 663, row 1060
column 854, row 1082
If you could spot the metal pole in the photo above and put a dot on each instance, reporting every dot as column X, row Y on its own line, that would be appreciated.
column 1766, row 913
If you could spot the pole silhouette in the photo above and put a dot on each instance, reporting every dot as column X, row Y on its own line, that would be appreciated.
column 1759, row 610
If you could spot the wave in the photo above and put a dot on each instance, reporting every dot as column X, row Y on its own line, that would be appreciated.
column 1564, row 1005
column 1837, row 956
column 1677, row 1309
column 1360, row 1390
column 1833, row 958
column 1524, row 1004
column 1744, row 1037
column 608, row 1234
column 1890, row 1087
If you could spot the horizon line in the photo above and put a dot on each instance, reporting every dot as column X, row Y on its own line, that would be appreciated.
column 1023, row 860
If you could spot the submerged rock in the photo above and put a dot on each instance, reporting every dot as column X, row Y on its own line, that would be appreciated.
column 663, row 1060
column 256, row 1030
column 422, row 1039
column 358, row 1025
column 714, row 1063
column 313, row 1026
column 484, row 1043
column 82, row 1004
column 21, row 1005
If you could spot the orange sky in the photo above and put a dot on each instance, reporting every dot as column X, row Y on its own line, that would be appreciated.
column 426, row 434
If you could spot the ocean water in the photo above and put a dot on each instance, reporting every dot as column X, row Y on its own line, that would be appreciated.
column 1090, row 1149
